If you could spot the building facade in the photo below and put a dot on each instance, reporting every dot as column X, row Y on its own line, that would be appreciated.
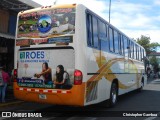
column 8, row 17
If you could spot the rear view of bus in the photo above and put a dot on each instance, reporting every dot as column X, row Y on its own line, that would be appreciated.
column 45, row 57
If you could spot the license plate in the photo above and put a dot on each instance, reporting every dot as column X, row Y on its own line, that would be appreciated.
column 42, row 96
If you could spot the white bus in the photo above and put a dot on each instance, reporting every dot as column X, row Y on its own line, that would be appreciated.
column 71, row 46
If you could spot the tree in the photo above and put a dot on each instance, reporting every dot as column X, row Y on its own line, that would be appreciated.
column 154, row 62
column 145, row 42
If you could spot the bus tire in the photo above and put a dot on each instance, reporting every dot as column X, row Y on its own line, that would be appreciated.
column 113, row 94
column 142, row 85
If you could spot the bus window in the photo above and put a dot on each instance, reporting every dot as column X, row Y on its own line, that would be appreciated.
column 137, row 52
column 111, row 47
column 132, row 50
column 129, row 48
column 95, row 32
column 89, row 29
column 122, row 45
column 116, row 41
column 102, row 31
column 103, row 36
column 125, row 46
column 119, row 44
column 140, row 58
column 143, row 53
column 134, row 47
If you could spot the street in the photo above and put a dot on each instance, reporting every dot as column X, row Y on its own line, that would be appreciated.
column 146, row 101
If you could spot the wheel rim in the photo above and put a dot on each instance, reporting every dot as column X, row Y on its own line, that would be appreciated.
column 114, row 94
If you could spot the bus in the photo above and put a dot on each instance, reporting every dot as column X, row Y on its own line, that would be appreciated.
column 100, row 61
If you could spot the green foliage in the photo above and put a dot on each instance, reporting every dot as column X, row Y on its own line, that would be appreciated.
column 145, row 42
column 153, row 61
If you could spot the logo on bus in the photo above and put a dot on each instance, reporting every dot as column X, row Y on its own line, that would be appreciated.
column 44, row 23
column 32, row 55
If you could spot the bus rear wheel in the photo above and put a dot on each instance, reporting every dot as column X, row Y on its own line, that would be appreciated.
column 113, row 94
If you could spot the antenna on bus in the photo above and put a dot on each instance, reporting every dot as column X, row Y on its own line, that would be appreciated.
column 55, row 2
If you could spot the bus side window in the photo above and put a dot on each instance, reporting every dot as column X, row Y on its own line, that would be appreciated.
column 119, row 44
column 129, row 48
column 103, row 35
column 132, row 50
column 95, row 32
column 140, row 55
column 122, row 44
column 143, row 54
column 111, row 45
column 137, row 52
column 89, row 30
column 102, row 31
column 116, row 41
column 125, row 46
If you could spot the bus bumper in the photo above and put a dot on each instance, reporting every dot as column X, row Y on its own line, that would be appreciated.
column 75, row 96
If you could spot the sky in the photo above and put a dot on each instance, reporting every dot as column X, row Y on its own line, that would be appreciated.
column 133, row 17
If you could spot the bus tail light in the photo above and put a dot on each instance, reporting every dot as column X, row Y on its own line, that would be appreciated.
column 15, row 74
column 78, row 76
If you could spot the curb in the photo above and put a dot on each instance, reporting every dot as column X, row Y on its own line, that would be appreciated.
column 10, row 103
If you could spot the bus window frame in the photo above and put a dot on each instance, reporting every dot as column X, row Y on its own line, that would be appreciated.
column 92, row 15
column 112, row 39
column 89, row 29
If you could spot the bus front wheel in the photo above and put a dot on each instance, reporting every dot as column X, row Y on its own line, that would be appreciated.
column 142, row 85
column 113, row 94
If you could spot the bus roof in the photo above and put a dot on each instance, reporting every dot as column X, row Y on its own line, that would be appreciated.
column 47, row 8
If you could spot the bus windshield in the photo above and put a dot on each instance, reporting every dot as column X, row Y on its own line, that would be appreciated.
column 46, row 23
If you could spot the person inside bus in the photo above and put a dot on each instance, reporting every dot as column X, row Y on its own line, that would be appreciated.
column 62, row 78
column 46, row 73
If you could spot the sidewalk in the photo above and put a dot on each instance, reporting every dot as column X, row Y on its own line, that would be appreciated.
column 10, row 99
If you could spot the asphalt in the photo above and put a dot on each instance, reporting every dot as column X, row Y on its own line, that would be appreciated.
column 10, row 99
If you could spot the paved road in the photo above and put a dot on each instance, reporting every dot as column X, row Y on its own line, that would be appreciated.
column 147, row 101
